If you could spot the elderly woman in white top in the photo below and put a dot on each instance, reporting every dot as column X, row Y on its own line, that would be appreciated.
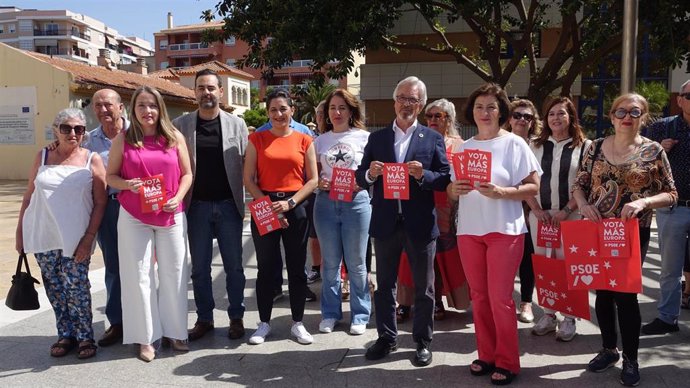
column 61, row 210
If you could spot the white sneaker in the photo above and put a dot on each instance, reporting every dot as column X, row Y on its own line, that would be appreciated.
column 546, row 324
column 302, row 335
column 358, row 329
column 566, row 330
column 526, row 314
column 260, row 334
column 327, row 325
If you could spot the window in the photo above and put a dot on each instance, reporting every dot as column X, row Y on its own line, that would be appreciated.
column 163, row 44
column 234, row 95
column 2, row 28
column 230, row 41
column 230, row 62
column 26, row 44
column 255, row 84
column 164, row 65
column 51, row 28
column 12, row 28
column 26, row 25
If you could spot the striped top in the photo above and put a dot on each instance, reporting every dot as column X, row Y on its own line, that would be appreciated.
column 559, row 161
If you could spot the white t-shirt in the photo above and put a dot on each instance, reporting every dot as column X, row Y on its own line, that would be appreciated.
column 511, row 162
column 342, row 150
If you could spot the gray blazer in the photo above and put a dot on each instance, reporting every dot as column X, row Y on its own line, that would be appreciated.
column 234, row 133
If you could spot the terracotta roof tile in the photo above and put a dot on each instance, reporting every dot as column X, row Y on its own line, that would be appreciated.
column 169, row 74
column 86, row 75
column 218, row 67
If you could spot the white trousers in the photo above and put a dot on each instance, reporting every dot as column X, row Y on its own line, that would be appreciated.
column 153, row 274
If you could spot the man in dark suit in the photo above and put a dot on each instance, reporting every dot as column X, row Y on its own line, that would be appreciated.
column 405, row 224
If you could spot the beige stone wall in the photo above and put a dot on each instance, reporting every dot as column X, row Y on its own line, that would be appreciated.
column 52, row 94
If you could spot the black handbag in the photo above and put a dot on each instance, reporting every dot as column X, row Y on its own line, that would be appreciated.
column 22, row 294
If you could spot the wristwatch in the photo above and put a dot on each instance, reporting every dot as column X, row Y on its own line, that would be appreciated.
column 291, row 203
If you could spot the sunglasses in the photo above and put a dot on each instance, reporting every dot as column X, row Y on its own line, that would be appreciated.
column 66, row 129
column 437, row 116
column 620, row 113
column 525, row 116
column 685, row 96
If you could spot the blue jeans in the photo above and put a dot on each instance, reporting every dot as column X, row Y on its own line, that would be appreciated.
column 674, row 226
column 107, row 241
column 207, row 220
column 343, row 230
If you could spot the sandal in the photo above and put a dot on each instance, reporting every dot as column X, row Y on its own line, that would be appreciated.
column 685, row 301
column 62, row 347
column 509, row 376
column 486, row 368
column 87, row 349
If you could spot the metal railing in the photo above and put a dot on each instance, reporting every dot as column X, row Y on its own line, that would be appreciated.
column 188, row 46
column 61, row 32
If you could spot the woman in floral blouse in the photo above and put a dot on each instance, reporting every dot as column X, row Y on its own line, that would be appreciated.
column 623, row 175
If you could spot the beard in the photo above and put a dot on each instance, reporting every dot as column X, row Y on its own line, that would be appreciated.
column 208, row 103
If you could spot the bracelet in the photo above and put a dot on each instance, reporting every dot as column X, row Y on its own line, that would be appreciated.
column 371, row 178
column 568, row 211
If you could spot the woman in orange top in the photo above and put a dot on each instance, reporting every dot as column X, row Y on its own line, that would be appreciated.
column 281, row 163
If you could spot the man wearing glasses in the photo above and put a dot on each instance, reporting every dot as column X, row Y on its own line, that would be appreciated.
column 673, row 223
column 405, row 224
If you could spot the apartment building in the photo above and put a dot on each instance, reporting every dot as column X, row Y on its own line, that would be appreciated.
column 67, row 34
column 182, row 46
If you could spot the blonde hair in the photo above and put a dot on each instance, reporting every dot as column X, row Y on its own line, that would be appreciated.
column 632, row 97
column 165, row 129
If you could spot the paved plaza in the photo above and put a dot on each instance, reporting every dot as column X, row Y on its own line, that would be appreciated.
column 334, row 360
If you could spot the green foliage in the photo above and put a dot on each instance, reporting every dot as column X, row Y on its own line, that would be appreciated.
column 255, row 117
column 656, row 94
column 326, row 31
column 309, row 98
column 254, row 100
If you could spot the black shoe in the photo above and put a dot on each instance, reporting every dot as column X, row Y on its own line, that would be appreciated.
column 111, row 336
column 380, row 349
column 630, row 375
column 402, row 313
column 236, row 329
column 422, row 356
column 310, row 295
column 604, row 360
column 657, row 326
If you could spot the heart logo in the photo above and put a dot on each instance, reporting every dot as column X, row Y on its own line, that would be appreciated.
column 550, row 301
column 587, row 279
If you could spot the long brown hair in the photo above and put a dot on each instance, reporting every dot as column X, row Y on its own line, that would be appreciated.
column 574, row 129
column 356, row 117
column 165, row 129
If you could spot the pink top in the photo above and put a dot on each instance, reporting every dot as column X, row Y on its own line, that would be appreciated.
column 152, row 159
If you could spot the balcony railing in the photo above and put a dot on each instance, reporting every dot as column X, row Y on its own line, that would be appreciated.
column 49, row 50
column 188, row 46
column 54, row 32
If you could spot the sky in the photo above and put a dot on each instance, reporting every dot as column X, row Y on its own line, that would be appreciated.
column 129, row 17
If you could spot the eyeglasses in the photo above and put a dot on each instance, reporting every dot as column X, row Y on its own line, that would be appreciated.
column 407, row 100
column 525, row 116
column 66, row 129
column 685, row 95
column 635, row 113
column 437, row 116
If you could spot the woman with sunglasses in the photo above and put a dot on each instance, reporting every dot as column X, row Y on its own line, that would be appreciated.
column 559, row 149
column 449, row 277
column 60, row 214
column 525, row 122
column 623, row 175
column 150, row 166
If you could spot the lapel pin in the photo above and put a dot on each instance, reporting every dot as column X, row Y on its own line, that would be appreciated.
column 421, row 135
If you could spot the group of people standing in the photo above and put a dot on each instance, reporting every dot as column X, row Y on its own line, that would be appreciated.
column 173, row 182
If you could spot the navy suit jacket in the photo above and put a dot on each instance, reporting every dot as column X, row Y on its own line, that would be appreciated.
column 428, row 148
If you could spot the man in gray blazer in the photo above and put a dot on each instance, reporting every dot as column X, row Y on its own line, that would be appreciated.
column 215, row 204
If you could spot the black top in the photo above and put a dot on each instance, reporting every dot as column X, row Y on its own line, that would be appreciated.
column 210, row 179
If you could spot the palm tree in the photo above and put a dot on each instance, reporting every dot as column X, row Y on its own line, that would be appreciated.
column 207, row 16
column 310, row 97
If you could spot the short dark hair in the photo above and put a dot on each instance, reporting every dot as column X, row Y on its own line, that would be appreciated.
column 278, row 93
column 489, row 89
column 204, row 72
